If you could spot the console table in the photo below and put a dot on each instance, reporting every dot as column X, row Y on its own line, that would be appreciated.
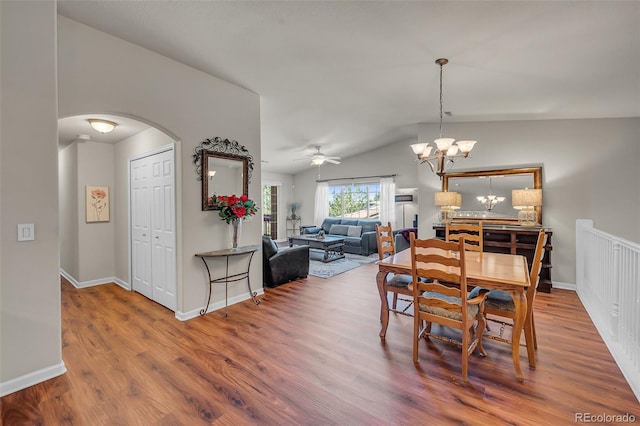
column 226, row 279
column 514, row 239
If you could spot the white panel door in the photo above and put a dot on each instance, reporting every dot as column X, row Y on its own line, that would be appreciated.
column 153, row 263
column 163, row 254
column 140, row 172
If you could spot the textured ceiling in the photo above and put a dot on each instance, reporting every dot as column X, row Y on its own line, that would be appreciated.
column 353, row 76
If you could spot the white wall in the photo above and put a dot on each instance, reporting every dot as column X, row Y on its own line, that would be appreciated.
column 145, row 141
column 68, row 187
column 192, row 105
column 96, row 240
column 590, row 170
column 30, row 335
column 285, row 198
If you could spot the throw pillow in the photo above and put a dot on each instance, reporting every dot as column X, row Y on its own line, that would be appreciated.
column 354, row 231
column 338, row 229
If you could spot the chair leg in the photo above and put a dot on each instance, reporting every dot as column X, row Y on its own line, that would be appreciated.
column 395, row 300
column 465, row 355
column 416, row 337
column 533, row 329
column 480, row 332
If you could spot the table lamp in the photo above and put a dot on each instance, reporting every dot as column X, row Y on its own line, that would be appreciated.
column 526, row 200
column 448, row 203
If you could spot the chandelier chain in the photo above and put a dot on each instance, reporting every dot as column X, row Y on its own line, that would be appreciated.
column 440, row 100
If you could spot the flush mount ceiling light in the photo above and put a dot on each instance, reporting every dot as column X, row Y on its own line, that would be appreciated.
column 102, row 126
column 445, row 151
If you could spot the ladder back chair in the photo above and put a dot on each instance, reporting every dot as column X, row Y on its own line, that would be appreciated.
column 499, row 303
column 436, row 260
column 397, row 284
column 471, row 232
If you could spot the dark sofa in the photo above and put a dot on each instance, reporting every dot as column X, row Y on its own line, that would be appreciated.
column 359, row 234
column 284, row 265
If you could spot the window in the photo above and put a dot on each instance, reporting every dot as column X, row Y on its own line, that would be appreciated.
column 358, row 200
column 270, row 210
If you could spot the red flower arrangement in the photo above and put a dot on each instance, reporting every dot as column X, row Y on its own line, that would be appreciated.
column 233, row 207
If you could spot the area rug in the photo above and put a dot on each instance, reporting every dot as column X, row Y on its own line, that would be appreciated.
column 320, row 269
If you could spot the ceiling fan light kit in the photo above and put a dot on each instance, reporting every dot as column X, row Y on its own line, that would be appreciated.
column 318, row 158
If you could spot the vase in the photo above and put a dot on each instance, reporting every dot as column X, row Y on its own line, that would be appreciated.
column 235, row 232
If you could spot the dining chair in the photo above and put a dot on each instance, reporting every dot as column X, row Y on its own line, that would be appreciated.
column 471, row 232
column 500, row 303
column 395, row 283
column 436, row 260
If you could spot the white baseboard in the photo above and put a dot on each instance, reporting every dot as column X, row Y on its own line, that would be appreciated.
column 184, row 316
column 564, row 286
column 31, row 379
column 122, row 283
column 92, row 283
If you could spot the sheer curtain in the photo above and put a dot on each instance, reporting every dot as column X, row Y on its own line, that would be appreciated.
column 321, row 209
column 388, row 201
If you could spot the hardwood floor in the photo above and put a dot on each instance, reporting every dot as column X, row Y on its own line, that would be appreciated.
column 309, row 354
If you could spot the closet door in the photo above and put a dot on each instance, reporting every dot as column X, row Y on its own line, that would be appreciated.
column 153, row 254
column 140, row 172
column 163, row 250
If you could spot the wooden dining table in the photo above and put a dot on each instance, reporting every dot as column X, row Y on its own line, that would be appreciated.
column 488, row 270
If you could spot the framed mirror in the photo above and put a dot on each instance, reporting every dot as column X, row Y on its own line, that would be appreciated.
column 498, row 183
column 224, row 167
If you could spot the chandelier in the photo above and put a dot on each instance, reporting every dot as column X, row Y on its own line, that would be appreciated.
column 490, row 201
column 445, row 149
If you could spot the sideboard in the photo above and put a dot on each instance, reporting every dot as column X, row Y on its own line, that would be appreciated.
column 514, row 240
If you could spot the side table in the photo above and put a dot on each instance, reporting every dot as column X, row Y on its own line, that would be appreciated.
column 226, row 279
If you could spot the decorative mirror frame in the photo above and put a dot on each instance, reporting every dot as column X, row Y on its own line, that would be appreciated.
column 535, row 171
column 226, row 149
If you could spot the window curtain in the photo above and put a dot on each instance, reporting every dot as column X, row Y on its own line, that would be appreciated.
column 388, row 201
column 321, row 209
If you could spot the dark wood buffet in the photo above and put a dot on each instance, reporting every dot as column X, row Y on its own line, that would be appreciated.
column 514, row 239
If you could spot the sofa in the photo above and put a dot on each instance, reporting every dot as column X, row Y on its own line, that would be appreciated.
column 359, row 234
column 280, row 266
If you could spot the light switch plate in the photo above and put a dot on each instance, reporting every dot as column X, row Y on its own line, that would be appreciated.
column 26, row 232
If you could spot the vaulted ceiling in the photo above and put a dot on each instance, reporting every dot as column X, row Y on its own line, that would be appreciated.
column 351, row 76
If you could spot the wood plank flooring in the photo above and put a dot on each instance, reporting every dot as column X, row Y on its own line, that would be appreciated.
column 309, row 354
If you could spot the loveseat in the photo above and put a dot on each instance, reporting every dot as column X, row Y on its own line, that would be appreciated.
column 359, row 234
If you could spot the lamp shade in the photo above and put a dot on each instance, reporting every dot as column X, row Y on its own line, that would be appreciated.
column 521, row 198
column 446, row 198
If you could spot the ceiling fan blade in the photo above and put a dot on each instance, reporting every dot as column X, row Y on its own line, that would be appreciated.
column 331, row 160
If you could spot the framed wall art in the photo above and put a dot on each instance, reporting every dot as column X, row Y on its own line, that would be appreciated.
column 98, row 204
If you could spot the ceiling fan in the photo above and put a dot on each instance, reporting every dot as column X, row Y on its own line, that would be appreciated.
column 319, row 158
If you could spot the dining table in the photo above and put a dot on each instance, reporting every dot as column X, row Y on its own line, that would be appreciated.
column 494, row 271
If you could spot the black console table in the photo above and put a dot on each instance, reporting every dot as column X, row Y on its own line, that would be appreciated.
column 227, row 253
